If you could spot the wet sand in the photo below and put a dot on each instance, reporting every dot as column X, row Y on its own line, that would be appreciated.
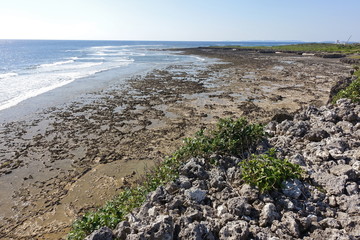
column 69, row 160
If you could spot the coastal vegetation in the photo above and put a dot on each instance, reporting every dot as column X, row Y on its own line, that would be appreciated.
column 228, row 137
column 309, row 47
column 268, row 172
column 351, row 92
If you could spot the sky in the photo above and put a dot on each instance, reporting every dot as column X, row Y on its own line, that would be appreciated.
column 181, row 20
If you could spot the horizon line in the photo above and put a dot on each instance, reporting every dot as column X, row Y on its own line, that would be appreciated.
column 132, row 40
column 44, row 39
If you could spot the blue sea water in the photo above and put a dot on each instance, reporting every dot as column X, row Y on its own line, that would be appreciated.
column 29, row 68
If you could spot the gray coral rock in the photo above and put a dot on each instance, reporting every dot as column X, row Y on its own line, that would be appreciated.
column 195, row 194
column 268, row 214
column 236, row 230
column 292, row 188
column 103, row 233
column 196, row 231
column 239, row 206
column 210, row 201
column 122, row 230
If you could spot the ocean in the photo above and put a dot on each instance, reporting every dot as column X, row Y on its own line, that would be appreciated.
column 30, row 68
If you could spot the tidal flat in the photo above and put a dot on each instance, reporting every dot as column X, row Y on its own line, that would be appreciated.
column 71, row 159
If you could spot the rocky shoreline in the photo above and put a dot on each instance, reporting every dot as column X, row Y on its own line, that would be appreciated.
column 49, row 165
column 210, row 201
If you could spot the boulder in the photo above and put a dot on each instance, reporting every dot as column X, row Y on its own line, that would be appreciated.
column 268, row 215
column 103, row 233
column 192, row 169
column 316, row 135
column 344, row 170
column 162, row 228
column 195, row 194
column 122, row 230
column 239, row 206
column 280, row 117
column 196, row 231
column 236, row 230
column 292, row 188
column 330, row 234
column 334, row 185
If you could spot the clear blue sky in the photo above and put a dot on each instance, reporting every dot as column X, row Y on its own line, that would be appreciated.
column 194, row 20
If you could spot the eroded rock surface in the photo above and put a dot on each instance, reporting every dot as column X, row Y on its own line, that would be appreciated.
column 325, row 205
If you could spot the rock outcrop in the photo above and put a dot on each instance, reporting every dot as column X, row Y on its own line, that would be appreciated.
column 211, row 202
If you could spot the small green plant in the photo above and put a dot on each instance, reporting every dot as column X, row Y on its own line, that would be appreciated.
column 267, row 172
column 229, row 137
column 352, row 91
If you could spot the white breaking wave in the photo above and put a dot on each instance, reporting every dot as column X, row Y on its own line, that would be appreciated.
column 63, row 67
column 125, row 60
column 8, row 75
column 106, row 47
column 32, row 93
column 16, row 88
column 56, row 63
column 92, row 58
column 108, row 54
column 199, row 58
column 84, row 65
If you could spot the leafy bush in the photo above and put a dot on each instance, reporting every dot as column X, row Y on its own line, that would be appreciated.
column 267, row 172
column 229, row 137
column 352, row 91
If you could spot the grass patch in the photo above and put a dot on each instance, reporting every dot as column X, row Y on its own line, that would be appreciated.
column 309, row 47
column 267, row 172
column 355, row 57
column 351, row 92
column 229, row 137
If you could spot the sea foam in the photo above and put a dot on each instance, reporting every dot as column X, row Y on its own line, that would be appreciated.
column 8, row 75
column 56, row 63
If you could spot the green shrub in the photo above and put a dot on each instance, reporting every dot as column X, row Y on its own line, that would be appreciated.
column 267, row 172
column 229, row 137
column 352, row 91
